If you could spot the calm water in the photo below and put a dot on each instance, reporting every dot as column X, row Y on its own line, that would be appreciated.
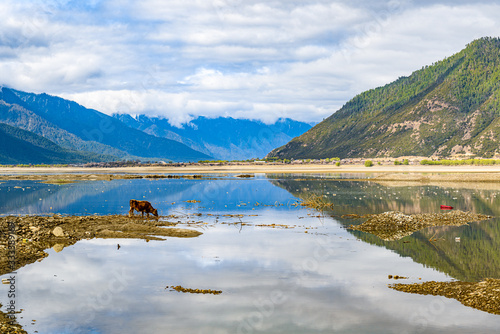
column 314, row 277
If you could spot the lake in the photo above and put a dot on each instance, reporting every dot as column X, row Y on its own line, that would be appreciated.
column 281, row 267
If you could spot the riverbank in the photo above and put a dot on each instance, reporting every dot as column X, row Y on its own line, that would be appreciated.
column 477, row 176
column 259, row 168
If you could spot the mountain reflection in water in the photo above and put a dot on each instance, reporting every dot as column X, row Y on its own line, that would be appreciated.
column 474, row 258
column 314, row 277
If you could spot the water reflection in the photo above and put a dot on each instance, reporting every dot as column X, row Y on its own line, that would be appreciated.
column 112, row 197
column 474, row 258
column 273, row 280
column 368, row 197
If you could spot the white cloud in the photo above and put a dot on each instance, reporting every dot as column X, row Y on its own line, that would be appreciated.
column 249, row 59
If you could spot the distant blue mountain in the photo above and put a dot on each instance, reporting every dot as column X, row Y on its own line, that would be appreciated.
column 223, row 137
column 75, row 127
column 73, row 133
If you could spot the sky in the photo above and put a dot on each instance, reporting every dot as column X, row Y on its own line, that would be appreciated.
column 249, row 59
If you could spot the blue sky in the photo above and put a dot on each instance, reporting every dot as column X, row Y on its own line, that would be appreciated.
column 245, row 59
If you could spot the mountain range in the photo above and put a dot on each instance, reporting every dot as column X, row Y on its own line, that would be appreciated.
column 21, row 146
column 94, row 134
column 40, row 128
column 224, row 138
column 447, row 109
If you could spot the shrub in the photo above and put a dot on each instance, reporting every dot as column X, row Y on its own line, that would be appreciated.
column 368, row 163
column 337, row 163
column 406, row 162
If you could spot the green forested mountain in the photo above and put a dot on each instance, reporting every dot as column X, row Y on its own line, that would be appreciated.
column 451, row 107
column 23, row 147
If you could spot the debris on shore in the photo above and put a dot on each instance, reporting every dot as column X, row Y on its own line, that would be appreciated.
column 394, row 225
column 484, row 296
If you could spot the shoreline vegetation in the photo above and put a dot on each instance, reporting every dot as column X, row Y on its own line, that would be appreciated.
column 406, row 160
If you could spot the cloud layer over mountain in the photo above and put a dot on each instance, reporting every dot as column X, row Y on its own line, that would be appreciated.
column 244, row 59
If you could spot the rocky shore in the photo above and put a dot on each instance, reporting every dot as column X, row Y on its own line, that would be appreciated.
column 29, row 236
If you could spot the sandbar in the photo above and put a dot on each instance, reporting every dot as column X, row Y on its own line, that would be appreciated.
column 480, row 177
column 260, row 168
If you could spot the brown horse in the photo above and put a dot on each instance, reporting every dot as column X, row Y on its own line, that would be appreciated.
column 142, row 206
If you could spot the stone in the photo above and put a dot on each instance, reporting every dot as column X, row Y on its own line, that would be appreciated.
column 58, row 231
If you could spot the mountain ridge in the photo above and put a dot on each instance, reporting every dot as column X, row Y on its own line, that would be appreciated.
column 75, row 127
column 449, row 108
column 24, row 147
column 224, row 138
column 123, row 137
column 20, row 117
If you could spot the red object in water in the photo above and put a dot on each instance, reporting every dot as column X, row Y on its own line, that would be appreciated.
column 446, row 207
